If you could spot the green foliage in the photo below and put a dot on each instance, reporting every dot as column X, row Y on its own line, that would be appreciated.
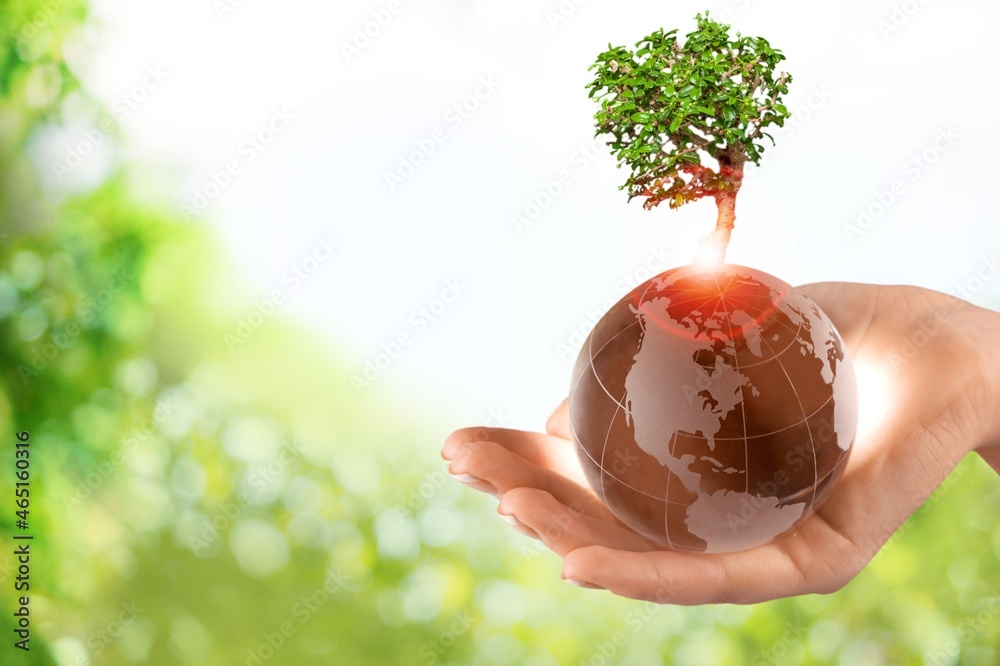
column 144, row 506
column 667, row 103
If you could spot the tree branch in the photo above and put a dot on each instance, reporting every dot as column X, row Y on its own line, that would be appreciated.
column 738, row 65
column 770, row 102
column 696, row 139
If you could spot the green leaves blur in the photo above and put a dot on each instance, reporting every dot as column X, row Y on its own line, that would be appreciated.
column 668, row 101
column 367, row 495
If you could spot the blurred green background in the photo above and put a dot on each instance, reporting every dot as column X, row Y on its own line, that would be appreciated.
column 197, row 506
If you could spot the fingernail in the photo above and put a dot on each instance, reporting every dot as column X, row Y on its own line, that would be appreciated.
column 470, row 480
column 509, row 519
column 583, row 584
column 518, row 525
column 464, row 478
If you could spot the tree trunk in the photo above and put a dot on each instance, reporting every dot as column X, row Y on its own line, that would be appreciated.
column 726, row 219
column 712, row 248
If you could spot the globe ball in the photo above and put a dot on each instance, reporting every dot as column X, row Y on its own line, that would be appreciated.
column 713, row 408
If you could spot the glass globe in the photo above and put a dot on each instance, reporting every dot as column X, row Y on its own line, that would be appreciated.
column 713, row 408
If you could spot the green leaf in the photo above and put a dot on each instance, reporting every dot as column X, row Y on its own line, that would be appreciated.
column 647, row 96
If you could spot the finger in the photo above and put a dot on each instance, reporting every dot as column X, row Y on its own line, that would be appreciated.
column 474, row 482
column 518, row 525
column 542, row 450
column 689, row 579
column 503, row 470
column 463, row 436
column 564, row 528
column 558, row 423
column 850, row 307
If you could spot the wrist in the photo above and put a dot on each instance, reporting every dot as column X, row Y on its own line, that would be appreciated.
column 984, row 327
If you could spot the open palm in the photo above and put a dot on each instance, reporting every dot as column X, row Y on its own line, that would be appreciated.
column 925, row 403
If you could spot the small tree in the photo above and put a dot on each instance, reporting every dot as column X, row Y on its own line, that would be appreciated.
column 666, row 104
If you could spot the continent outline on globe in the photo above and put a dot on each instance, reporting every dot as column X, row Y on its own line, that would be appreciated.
column 713, row 408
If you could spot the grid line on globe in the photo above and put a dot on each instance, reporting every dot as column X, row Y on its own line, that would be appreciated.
column 688, row 424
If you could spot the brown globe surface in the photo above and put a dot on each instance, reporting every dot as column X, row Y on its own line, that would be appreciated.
column 713, row 408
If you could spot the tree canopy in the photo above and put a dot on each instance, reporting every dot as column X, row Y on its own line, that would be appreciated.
column 667, row 104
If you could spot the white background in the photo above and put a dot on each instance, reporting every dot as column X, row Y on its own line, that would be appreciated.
column 875, row 83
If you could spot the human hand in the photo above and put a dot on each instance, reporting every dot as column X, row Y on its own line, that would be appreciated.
column 928, row 385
